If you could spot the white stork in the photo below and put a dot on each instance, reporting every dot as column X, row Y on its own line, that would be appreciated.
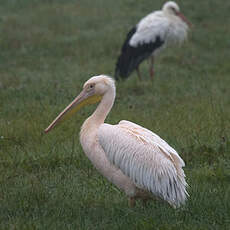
column 133, row 158
column 150, row 35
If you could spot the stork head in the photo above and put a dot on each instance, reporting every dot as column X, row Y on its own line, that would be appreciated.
column 93, row 91
column 172, row 9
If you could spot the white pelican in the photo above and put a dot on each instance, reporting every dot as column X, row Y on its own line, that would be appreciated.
column 151, row 34
column 133, row 158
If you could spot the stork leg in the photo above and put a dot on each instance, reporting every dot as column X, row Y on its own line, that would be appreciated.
column 138, row 73
column 151, row 69
column 132, row 202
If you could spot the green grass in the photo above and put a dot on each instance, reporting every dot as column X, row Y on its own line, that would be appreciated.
column 48, row 49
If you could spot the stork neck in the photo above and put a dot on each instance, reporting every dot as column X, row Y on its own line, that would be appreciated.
column 102, row 110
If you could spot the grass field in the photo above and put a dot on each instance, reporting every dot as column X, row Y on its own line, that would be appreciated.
column 48, row 49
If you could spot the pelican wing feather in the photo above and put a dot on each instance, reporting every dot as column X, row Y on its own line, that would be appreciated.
column 145, row 158
column 154, row 138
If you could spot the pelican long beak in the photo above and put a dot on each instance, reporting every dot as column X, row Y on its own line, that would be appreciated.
column 183, row 18
column 84, row 98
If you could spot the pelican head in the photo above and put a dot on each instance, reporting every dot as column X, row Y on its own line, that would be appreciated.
column 172, row 9
column 93, row 91
column 99, row 85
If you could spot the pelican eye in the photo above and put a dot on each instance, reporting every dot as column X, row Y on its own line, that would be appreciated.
column 91, row 86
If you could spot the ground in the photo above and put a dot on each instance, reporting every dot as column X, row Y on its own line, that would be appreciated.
column 48, row 49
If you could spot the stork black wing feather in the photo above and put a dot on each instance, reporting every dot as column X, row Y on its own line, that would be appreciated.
column 131, row 56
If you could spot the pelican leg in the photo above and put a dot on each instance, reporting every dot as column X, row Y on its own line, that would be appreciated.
column 138, row 73
column 151, row 69
column 145, row 201
column 132, row 202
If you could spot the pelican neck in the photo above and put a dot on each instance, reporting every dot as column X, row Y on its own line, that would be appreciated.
column 104, row 107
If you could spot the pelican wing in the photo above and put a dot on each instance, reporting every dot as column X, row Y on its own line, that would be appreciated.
column 145, row 158
column 154, row 138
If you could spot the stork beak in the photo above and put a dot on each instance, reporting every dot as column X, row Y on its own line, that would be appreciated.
column 84, row 98
column 179, row 14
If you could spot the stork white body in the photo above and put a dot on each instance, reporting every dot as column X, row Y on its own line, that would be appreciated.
column 149, row 36
column 133, row 158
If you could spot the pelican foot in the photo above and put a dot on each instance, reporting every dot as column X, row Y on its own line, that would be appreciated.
column 132, row 202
